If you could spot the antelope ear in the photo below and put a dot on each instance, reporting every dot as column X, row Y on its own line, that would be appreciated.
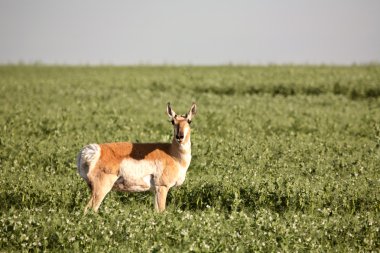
column 192, row 111
column 170, row 112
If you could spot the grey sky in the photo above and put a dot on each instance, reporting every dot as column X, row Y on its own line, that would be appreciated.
column 190, row 32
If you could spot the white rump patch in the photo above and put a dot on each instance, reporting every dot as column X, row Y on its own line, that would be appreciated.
column 87, row 159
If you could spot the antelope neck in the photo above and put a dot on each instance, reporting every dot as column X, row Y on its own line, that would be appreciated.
column 182, row 148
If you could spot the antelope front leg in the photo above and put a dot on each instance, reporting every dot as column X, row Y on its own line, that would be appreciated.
column 160, row 198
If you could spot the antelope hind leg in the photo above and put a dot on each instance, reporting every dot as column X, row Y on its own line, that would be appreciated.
column 99, row 188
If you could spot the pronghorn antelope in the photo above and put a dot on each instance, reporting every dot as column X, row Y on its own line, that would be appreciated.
column 137, row 167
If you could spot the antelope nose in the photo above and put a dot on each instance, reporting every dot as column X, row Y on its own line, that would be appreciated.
column 179, row 137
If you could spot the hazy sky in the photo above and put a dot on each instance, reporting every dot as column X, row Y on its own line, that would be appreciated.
column 190, row 32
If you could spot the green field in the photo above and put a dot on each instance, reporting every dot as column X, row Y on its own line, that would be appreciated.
column 285, row 158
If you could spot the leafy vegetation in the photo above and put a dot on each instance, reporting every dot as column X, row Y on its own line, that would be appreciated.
column 285, row 158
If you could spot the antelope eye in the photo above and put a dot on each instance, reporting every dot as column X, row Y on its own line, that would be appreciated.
column 189, row 121
column 172, row 122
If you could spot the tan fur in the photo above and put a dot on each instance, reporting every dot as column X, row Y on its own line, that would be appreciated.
column 130, row 167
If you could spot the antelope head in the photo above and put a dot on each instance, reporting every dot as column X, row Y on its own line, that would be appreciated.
column 181, row 124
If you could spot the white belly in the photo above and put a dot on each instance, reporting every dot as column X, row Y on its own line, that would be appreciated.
column 137, row 176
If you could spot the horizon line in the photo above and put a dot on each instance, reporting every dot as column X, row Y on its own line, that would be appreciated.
column 229, row 64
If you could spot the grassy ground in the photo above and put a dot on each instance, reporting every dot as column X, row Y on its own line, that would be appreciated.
column 285, row 158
